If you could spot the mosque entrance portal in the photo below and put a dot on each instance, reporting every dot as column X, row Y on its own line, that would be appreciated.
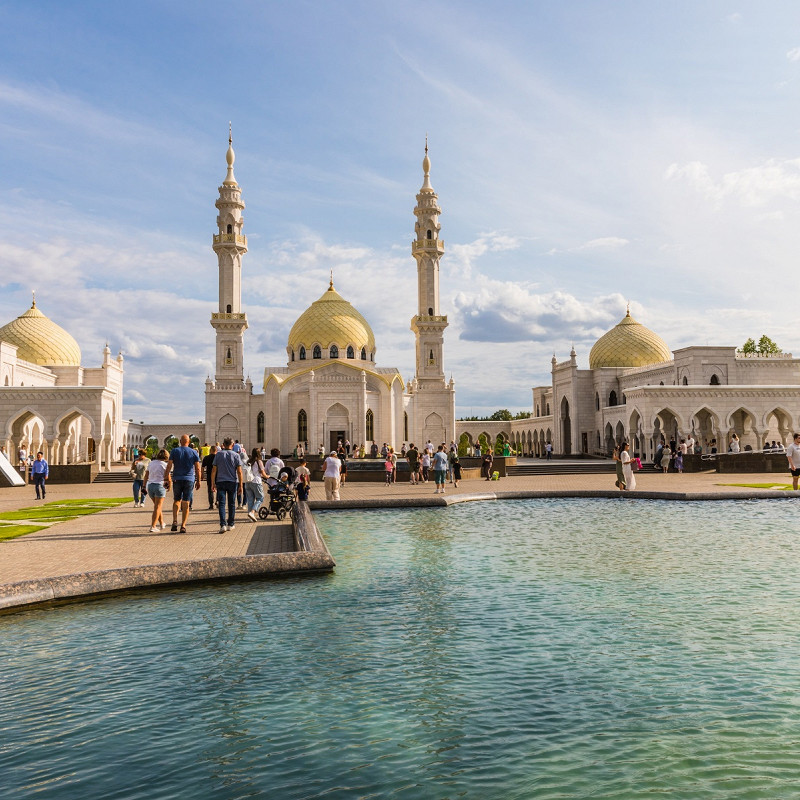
column 337, row 438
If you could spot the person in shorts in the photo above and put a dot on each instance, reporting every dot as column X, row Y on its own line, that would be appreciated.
column 184, row 468
column 793, row 455
column 440, row 469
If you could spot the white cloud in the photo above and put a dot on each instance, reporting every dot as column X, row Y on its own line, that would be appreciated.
column 794, row 54
column 774, row 180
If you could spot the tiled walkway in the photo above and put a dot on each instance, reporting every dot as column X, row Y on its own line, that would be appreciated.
column 119, row 537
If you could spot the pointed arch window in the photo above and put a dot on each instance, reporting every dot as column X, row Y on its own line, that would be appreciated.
column 228, row 308
column 537, row 409
column 228, row 358
column 370, row 420
column 317, row 351
column 230, row 228
column 372, row 356
column 596, row 401
column 363, row 353
column 714, row 380
column 292, row 355
column 685, row 381
column 260, row 428
column 547, row 410
column 430, row 235
column 334, row 351
column 405, row 426
column 612, row 398
column 350, row 352
column 302, row 426
column 431, row 359
column 302, row 353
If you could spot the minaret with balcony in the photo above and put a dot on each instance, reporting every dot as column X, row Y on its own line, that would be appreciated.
column 428, row 325
column 432, row 395
column 230, row 244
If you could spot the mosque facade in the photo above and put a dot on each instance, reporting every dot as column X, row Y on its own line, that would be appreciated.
column 49, row 401
column 331, row 387
column 636, row 389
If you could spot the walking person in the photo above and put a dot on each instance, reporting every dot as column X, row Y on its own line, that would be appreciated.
column 488, row 462
column 331, row 476
column 620, row 481
column 426, row 465
column 254, row 488
column 627, row 468
column 456, row 471
column 184, row 467
column 440, row 469
column 138, row 470
column 666, row 455
column 412, row 454
column 388, row 468
column 226, row 475
column 793, row 456
column 206, row 465
column 40, row 472
column 157, row 482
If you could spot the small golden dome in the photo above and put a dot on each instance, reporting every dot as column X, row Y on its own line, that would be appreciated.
column 331, row 320
column 40, row 341
column 629, row 344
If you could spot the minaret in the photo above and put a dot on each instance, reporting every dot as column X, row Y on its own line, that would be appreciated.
column 230, row 322
column 428, row 325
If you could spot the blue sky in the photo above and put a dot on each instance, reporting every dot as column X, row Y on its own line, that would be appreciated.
column 585, row 154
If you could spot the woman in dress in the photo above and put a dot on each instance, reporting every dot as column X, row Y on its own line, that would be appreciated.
column 620, row 481
column 627, row 470
column 157, row 482
column 734, row 446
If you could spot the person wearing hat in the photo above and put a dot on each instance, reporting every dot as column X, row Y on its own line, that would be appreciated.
column 331, row 476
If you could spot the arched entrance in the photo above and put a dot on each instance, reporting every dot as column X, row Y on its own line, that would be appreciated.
column 337, row 425
column 566, row 428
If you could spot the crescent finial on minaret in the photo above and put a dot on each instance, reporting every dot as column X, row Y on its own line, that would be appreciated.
column 33, row 305
column 426, row 169
column 230, row 157
column 330, row 287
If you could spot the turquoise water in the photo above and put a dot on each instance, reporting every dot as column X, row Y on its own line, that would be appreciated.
column 532, row 649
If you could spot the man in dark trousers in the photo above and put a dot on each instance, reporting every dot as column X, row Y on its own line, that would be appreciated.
column 207, row 464
column 488, row 461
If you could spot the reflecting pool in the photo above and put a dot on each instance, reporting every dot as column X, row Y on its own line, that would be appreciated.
column 530, row 649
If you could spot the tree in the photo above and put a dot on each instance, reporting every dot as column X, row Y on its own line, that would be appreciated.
column 764, row 347
column 767, row 346
column 502, row 415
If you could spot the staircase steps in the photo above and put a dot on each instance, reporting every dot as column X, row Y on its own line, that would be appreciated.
column 554, row 468
column 115, row 476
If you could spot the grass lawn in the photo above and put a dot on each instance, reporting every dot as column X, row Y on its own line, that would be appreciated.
column 50, row 513
column 783, row 487
column 12, row 531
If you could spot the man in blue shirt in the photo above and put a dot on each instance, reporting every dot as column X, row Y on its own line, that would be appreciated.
column 184, row 466
column 226, row 474
column 40, row 473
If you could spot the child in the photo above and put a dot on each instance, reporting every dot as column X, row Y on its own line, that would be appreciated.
column 389, row 468
column 456, row 471
column 303, row 480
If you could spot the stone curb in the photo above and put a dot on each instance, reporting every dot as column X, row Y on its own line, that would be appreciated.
column 442, row 501
column 312, row 556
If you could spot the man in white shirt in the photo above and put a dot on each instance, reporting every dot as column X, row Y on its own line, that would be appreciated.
column 793, row 455
column 690, row 444
column 333, row 469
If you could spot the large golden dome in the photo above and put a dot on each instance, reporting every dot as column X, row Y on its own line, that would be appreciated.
column 331, row 320
column 629, row 344
column 40, row 341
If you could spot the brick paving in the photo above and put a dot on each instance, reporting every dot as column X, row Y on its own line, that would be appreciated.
column 120, row 537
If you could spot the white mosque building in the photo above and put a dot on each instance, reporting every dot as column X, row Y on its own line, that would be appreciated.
column 331, row 387
column 49, row 401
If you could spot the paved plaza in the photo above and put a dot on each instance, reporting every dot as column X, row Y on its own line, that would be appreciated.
column 120, row 537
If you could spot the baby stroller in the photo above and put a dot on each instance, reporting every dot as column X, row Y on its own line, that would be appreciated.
column 281, row 499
